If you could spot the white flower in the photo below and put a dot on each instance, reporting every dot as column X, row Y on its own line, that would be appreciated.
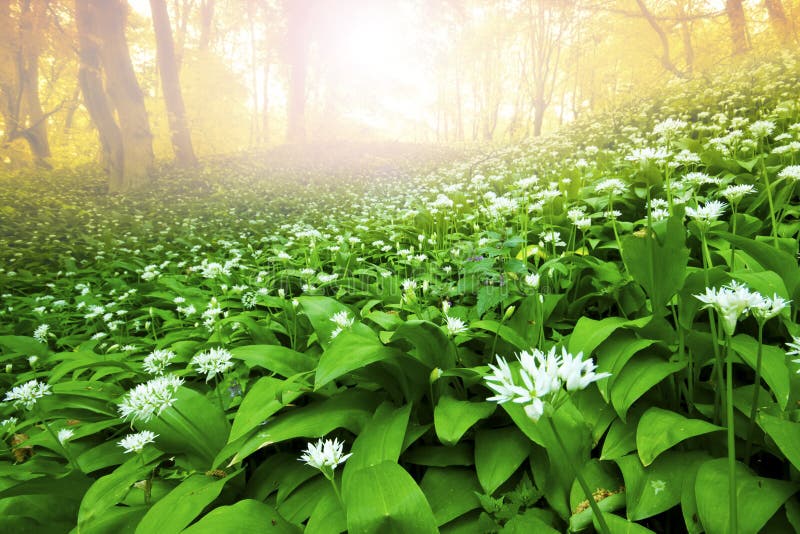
column 158, row 360
column 455, row 326
column 215, row 361
column 342, row 320
column 136, row 442
column 324, row 455
column 532, row 280
column 40, row 334
column 768, row 307
column 792, row 172
column 65, row 434
column 735, row 193
column 708, row 213
column 577, row 373
column 150, row 399
column 543, row 377
column 730, row 302
column 28, row 393
column 762, row 128
column 612, row 186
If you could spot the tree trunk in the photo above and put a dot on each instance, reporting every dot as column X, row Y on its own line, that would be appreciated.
column 103, row 30
column 777, row 18
column 170, row 84
column 94, row 95
column 298, row 37
column 206, row 20
column 265, row 103
column 735, row 12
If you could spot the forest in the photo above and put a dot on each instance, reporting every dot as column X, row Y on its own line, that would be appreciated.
column 410, row 266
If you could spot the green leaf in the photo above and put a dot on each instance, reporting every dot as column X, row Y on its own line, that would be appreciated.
column 351, row 351
column 327, row 516
column 24, row 345
column 656, row 488
column 498, row 453
column 636, row 379
column 450, row 492
column 110, row 489
column 530, row 521
column 614, row 353
column 383, row 498
column 505, row 333
column 659, row 430
column 275, row 358
column 589, row 333
column 382, row 438
column 319, row 311
column 245, row 516
column 769, row 258
column 452, row 418
column 773, row 365
column 193, row 426
column 785, row 434
column 658, row 263
column 431, row 346
column 350, row 410
column 758, row 498
column 265, row 397
column 180, row 506
column 620, row 440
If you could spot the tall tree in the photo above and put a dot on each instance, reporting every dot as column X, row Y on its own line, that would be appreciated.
column 171, row 86
column 206, row 23
column 778, row 20
column 128, row 144
column 298, row 35
column 735, row 12
column 19, row 84
column 548, row 25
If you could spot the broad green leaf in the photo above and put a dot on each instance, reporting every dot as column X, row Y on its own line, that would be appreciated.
column 383, row 498
column 319, row 311
column 773, row 365
column 530, row 521
column 588, row 333
column 24, row 345
column 614, row 353
column 770, row 258
column 636, row 379
column 193, row 426
column 110, row 489
column 656, row 488
column 382, row 438
column 660, row 430
column 299, row 506
column 275, row 358
column 498, row 453
column 758, row 498
column 182, row 505
column 450, row 492
column 658, row 262
column 505, row 333
column 785, row 434
column 351, row 351
column 618, row 525
column 349, row 410
column 327, row 516
column 431, row 346
column 245, row 516
column 264, row 398
column 452, row 418
column 620, row 440
column 461, row 454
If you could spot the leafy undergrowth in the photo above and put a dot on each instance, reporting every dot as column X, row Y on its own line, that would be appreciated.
column 171, row 357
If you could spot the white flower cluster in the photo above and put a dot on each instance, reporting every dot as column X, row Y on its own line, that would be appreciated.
column 736, row 300
column 157, row 361
column 150, row 399
column 136, row 442
column 325, row 455
column 342, row 321
column 215, row 361
column 28, row 394
column 542, row 378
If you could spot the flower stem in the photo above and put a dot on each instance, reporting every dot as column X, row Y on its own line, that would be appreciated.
column 756, row 390
column 732, row 504
column 598, row 514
